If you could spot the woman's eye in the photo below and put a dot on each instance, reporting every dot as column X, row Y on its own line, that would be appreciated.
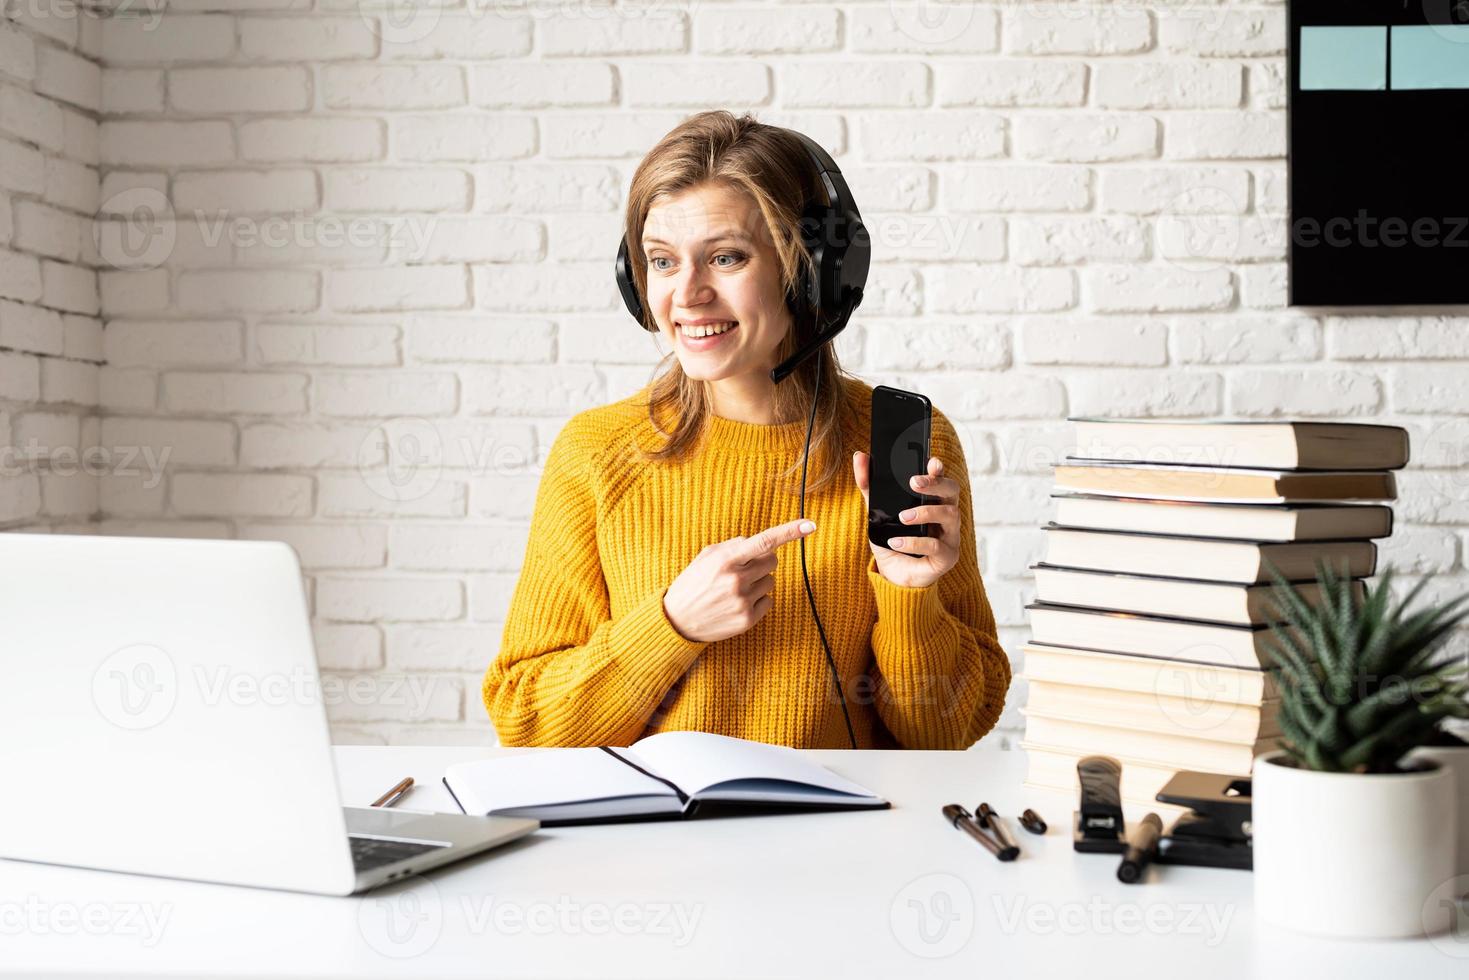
column 735, row 259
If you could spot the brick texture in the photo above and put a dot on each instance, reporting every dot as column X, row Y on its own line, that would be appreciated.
column 355, row 274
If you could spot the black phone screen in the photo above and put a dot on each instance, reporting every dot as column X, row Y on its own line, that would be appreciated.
column 899, row 452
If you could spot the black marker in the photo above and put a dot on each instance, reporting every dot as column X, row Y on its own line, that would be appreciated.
column 990, row 820
column 959, row 817
column 1141, row 849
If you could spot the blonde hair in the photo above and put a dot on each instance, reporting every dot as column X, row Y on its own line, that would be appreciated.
column 774, row 168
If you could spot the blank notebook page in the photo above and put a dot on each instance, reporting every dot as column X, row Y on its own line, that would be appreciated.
column 549, row 776
column 697, row 760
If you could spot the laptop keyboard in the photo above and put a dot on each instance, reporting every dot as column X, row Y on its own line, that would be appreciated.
column 373, row 852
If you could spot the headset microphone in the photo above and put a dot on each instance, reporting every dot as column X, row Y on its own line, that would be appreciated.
column 823, row 337
column 841, row 252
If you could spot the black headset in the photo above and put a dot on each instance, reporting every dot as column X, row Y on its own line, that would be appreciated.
column 841, row 252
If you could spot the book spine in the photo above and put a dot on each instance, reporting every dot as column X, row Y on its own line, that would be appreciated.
column 683, row 798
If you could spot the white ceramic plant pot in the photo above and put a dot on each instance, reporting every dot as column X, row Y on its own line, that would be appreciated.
column 1456, row 759
column 1352, row 856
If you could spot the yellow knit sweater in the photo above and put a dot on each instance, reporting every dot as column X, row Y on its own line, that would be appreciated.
column 589, row 657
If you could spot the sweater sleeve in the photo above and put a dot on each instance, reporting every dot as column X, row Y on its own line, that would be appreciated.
column 567, row 672
column 941, row 674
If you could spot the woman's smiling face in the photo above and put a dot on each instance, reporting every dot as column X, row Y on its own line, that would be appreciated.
column 710, row 263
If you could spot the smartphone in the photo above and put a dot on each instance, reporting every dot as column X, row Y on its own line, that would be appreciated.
column 901, row 423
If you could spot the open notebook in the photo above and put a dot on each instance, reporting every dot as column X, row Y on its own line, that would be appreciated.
column 671, row 775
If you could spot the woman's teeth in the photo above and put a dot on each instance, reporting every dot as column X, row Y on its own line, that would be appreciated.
column 707, row 330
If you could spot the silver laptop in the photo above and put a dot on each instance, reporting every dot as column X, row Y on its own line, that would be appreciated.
column 161, row 706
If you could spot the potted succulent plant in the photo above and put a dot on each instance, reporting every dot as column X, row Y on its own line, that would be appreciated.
column 1351, row 837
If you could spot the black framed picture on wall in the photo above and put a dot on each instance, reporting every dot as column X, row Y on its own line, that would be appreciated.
column 1378, row 154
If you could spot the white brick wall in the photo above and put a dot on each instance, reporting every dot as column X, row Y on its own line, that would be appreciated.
column 50, row 332
column 357, row 272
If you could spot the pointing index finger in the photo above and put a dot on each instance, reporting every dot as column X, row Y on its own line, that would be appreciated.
column 768, row 540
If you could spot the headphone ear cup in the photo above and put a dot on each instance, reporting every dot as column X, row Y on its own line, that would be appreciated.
column 856, row 258
column 812, row 281
column 626, row 286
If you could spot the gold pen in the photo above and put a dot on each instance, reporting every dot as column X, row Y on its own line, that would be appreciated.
column 396, row 793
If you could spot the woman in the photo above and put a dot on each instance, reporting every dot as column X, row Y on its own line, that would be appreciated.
column 657, row 592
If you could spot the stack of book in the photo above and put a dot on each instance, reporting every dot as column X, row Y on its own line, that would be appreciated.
column 1151, row 626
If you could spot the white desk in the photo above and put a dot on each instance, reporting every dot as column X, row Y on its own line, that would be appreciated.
column 794, row 895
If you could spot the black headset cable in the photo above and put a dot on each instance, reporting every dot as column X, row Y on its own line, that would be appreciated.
column 805, row 576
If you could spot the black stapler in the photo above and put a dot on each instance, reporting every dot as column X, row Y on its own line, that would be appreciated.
column 1215, row 833
column 1098, row 827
